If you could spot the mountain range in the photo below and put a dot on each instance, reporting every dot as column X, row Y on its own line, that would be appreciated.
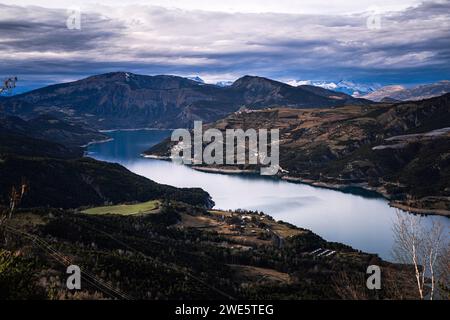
column 344, row 86
column 126, row 100
column 400, row 93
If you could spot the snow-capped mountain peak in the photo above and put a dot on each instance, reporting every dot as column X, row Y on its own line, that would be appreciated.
column 224, row 83
column 344, row 86
column 196, row 79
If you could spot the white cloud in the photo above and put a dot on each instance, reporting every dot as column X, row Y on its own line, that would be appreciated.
column 247, row 6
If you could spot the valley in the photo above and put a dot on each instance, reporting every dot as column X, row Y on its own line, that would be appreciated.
column 143, row 228
column 352, row 216
column 219, row 159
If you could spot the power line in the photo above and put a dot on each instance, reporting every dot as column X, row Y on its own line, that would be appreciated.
column 174, row 268
column 89, row 277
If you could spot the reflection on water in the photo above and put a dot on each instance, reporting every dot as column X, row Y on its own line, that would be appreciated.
column 363, row 222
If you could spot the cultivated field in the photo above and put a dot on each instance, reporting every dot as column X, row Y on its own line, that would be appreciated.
column 126, row 209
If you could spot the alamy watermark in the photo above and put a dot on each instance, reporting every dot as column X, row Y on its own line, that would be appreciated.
column 74, row 280
column 73, row 21
column 238, row 147
column 374, row 280
column 373, row 21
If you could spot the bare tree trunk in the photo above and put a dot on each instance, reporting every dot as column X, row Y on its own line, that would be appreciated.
column 417, row 271
column 432, row 275
column 422, row 246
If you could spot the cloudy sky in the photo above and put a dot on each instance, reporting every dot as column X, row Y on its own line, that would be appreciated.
column 366, row 41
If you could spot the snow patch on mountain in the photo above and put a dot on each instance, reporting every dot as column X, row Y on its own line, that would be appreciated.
column 348, row 87
column 384, row 92
column 424, row 91
column 224, row 83
column 196, row 79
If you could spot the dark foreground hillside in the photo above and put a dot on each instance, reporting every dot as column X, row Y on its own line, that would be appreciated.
column 182, row 252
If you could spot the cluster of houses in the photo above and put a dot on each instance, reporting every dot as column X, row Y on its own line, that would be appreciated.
column 277, row 240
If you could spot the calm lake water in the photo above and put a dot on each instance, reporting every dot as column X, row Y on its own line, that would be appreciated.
column 362, row 222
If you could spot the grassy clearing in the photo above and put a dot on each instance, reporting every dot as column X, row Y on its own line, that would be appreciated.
column 126, row 209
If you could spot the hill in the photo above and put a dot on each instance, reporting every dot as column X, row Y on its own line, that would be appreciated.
column 23, row 145
column 51, row 129
column 73, row 183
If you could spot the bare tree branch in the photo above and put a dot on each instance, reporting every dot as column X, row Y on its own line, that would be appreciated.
column 8, row 84
column 425, row 248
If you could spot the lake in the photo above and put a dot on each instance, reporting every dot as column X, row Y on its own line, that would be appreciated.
column 357, row 220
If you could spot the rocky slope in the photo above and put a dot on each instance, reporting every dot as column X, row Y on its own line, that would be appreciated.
column 125, row 100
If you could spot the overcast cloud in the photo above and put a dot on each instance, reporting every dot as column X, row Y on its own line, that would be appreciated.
column 412, row 45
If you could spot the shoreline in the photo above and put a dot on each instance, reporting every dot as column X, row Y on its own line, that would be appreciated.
column 97, row 142
column 225, row 171
column 135, row 129
column 203, row 169
column 405, row 207
column 155, row 157
column 336, row 186
column 392, row 203
column 318, row 184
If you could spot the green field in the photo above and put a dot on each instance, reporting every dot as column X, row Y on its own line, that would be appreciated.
column 126, row 209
